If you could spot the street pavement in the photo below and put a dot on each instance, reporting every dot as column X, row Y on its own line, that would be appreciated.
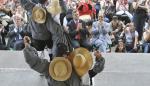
column 120, row 70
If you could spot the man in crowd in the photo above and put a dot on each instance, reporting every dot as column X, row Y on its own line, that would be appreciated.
column 76, row 29
column 16, row 33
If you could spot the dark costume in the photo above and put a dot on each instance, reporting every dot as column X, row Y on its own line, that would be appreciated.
column 50, row 32
column 42, row 66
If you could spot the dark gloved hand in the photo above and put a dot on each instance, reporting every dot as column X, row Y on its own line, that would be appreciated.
column 92, row 73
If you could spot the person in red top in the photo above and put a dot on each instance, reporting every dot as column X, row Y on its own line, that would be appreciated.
column 86, row 8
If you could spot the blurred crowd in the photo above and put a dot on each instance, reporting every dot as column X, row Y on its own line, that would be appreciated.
column 92, row 24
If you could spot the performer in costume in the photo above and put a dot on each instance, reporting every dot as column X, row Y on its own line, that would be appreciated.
column 44, row 29
column 65, row 69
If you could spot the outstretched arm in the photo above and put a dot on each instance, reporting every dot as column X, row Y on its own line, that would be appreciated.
column 32, row 58
column 99, row 65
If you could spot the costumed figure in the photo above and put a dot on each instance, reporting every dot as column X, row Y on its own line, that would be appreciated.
column 66, row 69
column 45, row 30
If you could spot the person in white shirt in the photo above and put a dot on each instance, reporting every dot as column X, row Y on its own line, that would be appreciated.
column 131, row 38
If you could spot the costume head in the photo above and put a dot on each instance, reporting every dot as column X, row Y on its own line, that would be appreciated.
column 54, row 7
column 60, row 69
column 81, row 60
column 39, row 14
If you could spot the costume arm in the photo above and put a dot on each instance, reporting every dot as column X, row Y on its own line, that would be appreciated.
column 72, row 31
column 98, row 67
column 32, row 58
column 58, row 33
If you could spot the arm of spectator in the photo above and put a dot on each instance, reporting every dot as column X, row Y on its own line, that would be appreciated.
column 144, row 7
column 65, row 21
column 122, row 34
column 72, row 31
column 109, row 28
column 81, row 28
column 32, row 58
column 136, row 40
column 141, row 6
column 27, row 4
column 126, row 7
column 94, row 30
column 117, row 6
column 3, row 31
column 65, row 25
column 84, row 31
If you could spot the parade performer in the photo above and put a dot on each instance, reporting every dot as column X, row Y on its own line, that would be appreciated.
column 66, row 69
column 44, row 29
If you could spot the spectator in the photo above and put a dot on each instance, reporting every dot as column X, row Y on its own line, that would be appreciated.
column 100, row 32
column 131, row 38
column 146, row 41
column 22, row 12
column 122, row 5
column 140, row 16
column 97, row 7
column 130, row 6
column 117, row 28
column 74, row 29
column 109, row 9
column 120, row 47
column 2, row 38
column 16, row 34
column 148, row 7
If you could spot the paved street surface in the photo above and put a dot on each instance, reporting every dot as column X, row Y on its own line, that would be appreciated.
column 120, row 70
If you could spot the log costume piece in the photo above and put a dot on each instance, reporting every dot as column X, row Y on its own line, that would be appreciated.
column 44, row 30
column 64, row 71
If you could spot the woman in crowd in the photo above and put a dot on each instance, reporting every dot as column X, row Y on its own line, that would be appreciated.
column 120, row 47
column 131, row 38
